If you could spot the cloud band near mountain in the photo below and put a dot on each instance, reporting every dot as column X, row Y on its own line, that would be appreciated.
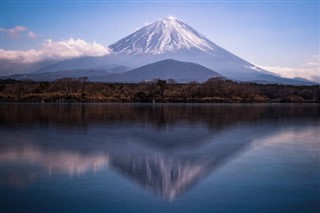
column 50, row 49
column 310, row 70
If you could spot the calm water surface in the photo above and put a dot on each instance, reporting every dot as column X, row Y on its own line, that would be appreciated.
column 159, row 158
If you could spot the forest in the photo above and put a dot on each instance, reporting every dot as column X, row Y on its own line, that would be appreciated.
column 214, row 90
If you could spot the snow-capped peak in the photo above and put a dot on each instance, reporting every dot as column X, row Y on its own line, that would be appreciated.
column 170, row 17
column 165, row 35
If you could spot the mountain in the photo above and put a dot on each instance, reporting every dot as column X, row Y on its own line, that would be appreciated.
column 92, row 74
column 9, row 67
column 182, row 72
column 171, row 38
column 77, row 63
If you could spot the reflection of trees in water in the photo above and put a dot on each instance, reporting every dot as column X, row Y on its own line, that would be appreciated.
column 214, row 116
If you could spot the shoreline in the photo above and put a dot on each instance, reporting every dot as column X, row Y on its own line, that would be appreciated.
column 158, row 91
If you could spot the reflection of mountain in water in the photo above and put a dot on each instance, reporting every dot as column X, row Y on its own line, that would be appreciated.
column 166, row 176
column 165, row 149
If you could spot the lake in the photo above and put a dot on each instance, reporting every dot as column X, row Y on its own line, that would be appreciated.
column 160, row 158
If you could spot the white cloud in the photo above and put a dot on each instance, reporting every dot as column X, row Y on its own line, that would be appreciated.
column 50, row 49
column 310, row 70
column 16, row 31
column 31, row 34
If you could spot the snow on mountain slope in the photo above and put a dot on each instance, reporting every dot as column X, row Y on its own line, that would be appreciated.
column 165, row 35
column 171, row 38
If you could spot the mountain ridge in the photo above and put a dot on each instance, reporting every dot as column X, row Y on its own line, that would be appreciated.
column 182, row 72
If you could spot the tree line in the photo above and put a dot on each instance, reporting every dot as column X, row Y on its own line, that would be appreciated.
column 214, row 90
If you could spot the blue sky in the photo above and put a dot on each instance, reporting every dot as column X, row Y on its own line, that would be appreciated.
column 283, row 34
